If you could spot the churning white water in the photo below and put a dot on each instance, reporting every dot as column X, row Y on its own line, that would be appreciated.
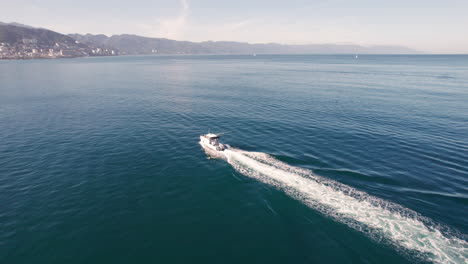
column 379, row 219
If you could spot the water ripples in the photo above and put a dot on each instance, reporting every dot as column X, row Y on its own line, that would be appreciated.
column 109, row 151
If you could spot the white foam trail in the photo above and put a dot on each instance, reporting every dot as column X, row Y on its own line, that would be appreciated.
column 381, row 220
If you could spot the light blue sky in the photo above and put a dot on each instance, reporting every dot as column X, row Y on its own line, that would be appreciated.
column 434, row 26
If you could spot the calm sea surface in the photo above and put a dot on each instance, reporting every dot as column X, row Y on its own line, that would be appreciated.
column 335, row 159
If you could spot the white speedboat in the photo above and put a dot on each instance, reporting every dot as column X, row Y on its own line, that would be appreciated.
column 211, row 141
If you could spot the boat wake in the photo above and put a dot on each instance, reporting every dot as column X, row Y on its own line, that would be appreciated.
column 381, row 220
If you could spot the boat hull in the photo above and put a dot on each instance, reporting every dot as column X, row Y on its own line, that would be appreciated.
column 211, row 145
column 212, row 152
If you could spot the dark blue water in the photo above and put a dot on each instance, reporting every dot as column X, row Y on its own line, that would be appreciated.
column 100, row 161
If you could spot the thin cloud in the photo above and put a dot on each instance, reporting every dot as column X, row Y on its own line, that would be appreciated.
column 171, row 27
column 239, row 25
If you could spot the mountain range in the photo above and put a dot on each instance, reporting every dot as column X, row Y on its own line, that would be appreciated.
column 133, row 44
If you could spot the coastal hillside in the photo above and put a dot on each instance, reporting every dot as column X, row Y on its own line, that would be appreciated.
column 19, row 41
column 15, row 33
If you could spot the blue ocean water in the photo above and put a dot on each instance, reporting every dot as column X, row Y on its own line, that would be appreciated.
column 335, row 159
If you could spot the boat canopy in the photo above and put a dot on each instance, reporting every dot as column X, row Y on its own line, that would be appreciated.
column 210, row 135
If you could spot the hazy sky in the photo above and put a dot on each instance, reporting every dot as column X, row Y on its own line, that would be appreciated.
column 436, row 26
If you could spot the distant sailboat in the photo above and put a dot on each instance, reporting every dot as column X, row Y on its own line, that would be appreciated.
column 356, row 56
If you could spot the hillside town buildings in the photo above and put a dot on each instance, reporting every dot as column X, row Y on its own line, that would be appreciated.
column 31, row 49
